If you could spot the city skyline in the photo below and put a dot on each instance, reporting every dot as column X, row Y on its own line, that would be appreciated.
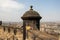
column 12, row 10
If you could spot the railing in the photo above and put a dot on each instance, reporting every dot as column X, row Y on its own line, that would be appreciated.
column 34, row 36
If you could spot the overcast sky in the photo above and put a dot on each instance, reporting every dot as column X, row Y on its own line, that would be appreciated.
column 12, row 10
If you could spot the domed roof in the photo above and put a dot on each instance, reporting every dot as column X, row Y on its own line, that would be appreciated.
column 31, row 13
